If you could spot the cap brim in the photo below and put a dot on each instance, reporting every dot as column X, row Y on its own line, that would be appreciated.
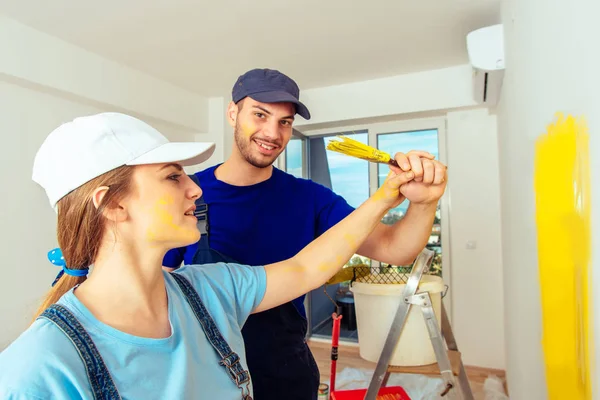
column 186, row 154
column 282, row 97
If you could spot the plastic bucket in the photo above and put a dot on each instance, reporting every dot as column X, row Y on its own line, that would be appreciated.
column 376, row 305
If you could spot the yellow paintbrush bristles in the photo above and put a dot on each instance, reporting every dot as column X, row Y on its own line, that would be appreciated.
column 562, row 191
column 353, row 148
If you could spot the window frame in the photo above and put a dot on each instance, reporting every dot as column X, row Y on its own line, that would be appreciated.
column 374, row 129
column 281, row 161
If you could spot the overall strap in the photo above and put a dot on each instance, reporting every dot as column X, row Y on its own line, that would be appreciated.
column 201, row 212
column 229, row 359
column 204, row 254
column 101, row 382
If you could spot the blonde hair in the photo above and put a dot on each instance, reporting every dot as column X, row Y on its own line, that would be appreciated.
column 81, row 227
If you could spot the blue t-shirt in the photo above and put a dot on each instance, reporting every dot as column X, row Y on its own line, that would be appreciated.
column 264, row 223
column 42, row 363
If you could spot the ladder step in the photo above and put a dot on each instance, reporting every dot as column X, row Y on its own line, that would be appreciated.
column 431, row 369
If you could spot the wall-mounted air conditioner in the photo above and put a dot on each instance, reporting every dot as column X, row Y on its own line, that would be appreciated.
column 485, row 47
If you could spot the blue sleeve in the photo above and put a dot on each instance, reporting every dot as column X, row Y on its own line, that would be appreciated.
column 174, row 258
column 239, row 288
column 249, row 285
column 331, row 208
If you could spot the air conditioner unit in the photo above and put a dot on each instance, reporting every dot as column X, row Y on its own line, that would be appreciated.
column 485, row 47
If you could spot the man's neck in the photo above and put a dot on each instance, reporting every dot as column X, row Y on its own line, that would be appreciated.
column 238, row 172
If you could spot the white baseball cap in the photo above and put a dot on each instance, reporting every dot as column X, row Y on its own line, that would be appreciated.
column 87, row 147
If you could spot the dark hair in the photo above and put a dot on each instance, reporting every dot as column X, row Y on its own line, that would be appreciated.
column 240, row 104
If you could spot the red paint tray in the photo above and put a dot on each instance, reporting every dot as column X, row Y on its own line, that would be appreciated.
column 385, row 393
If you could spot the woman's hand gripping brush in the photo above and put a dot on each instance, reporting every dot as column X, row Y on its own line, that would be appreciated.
column 321, row 259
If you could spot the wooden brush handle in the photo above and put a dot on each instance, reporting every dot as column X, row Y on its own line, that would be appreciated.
column 393, row 162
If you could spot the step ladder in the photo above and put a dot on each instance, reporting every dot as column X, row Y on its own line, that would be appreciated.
column 449, row 362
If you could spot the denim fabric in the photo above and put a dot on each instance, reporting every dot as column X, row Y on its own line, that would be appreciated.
column 102, row 384
column 229, row 359
column 289, row 370
column 100, row 380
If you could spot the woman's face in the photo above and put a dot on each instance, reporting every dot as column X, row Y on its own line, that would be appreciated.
column 160, row 207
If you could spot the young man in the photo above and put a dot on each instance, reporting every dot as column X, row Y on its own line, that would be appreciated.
column 263, row 215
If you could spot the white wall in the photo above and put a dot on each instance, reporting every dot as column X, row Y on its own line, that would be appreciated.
column 552, row 58
column 217, row 133
column 474, row 194
column 441, row 89
column 473, row 187
column 43, row 83
column 37, row 60
column 39, row 89
column 227, row 129
column 28, row 222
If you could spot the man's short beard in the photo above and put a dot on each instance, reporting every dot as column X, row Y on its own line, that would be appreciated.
column 244, row 148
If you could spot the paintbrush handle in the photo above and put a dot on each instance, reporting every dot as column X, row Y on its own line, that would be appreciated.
column 393, row 162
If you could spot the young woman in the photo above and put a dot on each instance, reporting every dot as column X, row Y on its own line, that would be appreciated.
column 132, row 330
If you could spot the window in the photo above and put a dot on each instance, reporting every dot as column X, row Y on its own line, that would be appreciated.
column 294, row 155
column 349, row 176
column 391, row 143
column 355, row 180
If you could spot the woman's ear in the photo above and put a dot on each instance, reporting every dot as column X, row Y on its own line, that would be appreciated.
column 115, row 213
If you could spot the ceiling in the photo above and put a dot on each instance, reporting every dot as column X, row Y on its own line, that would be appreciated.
column 204, row 46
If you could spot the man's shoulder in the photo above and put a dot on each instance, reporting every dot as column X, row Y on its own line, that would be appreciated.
column 303, row 183
column 305, row 191
column 206, row 174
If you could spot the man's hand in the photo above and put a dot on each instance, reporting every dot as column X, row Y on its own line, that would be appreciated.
column 430, row 177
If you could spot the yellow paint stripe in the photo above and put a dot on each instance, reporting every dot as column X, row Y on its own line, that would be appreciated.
column 562, row 189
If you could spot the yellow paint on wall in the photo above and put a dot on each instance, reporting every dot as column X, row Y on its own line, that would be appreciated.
column 562, row 193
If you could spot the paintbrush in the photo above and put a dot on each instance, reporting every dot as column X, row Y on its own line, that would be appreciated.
column 354, row 148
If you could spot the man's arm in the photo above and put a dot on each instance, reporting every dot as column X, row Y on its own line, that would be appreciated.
column 399, row 244
column 323, row 257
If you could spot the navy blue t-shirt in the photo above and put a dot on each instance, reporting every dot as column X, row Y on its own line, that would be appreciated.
column 264, row 223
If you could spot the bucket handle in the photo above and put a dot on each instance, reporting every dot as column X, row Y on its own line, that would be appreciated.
column 337, row 308
column 446, row 287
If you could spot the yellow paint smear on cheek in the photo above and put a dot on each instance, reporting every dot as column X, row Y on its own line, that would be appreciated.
column 248, row 129
column 163, row 227
column 562, row 191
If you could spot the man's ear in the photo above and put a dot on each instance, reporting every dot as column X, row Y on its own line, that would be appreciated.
column 115, row 213
column 232, row 112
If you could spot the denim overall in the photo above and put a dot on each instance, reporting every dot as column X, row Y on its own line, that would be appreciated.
column 101, row 382
column 289, row 371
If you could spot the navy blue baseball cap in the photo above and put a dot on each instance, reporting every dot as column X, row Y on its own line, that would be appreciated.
column 269, row 86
